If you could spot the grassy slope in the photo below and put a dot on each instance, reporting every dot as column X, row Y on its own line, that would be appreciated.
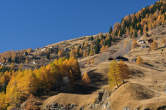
column 146, row 88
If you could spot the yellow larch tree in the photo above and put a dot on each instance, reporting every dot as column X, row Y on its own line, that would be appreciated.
column 124, row 71
column 134, row 44
column 118, row 72
column 85, row 78
column 154, row 45
column 139, row 60
column 114, row 74
column 163, row 42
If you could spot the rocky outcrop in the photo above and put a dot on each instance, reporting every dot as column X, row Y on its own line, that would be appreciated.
column 31, row 103
column 102, row 102
column 56, row 106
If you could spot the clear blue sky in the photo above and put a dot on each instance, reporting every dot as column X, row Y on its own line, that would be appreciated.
column 36, row 23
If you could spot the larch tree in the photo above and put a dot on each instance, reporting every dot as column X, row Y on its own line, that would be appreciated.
column 85, row 78
column 3, row 104
column 163, row 42
column 139, row 60
column 114, row 74
column 154, row 45
column 118, row 72
column 103, row 48
column 91, row 52
column 134, row 44
column 124, row 71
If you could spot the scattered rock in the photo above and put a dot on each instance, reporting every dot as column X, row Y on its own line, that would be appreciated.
column 57, row 106
column 32, row 103
column 101, row 102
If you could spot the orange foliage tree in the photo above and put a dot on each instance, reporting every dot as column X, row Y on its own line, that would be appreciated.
column 124, row 71
column 154, row 45
column 134, row 43
column 118, row 72
column 139, row 60
column 163, row 42
column 85, row 78
column 22, row 83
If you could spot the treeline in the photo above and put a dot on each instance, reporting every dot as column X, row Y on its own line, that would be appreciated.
column 15, row 56
column 93, row 46
column 139, row 23
column 132, row 25
column 16, row 86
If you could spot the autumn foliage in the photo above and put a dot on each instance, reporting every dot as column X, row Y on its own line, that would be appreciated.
column 20, row 84
column 134, row 43
column 133, row 26
column 104, row 48
column 139, row 60
column 141, row 22
column 163, row 42
column 124, row 70
column 85, row 78
column 154, row 45
column 118, row 72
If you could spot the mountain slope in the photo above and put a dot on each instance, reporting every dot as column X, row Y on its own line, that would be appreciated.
column 58, row 84
column 134, row 25
column 145, row 88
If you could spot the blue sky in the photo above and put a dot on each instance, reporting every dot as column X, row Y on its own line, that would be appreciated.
column 36, row 23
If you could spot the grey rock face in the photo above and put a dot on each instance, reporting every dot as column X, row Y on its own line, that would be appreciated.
column 102, row 101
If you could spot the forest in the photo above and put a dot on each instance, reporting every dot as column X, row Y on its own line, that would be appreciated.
column 17, row 86
column 133, row 25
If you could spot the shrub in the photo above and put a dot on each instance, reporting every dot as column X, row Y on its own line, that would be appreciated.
column 85, row 78
column 134, row 44
column 163, row 42
column 154, row 45
column 139, row 60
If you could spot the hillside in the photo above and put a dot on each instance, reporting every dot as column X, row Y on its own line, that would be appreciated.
column 74, row 74
column 134, row 25
column 144, row 90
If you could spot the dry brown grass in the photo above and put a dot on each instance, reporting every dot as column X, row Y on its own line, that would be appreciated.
column 142, row 91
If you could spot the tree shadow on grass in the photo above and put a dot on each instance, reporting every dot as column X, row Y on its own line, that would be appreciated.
column 136, row 73
column 97, row 80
